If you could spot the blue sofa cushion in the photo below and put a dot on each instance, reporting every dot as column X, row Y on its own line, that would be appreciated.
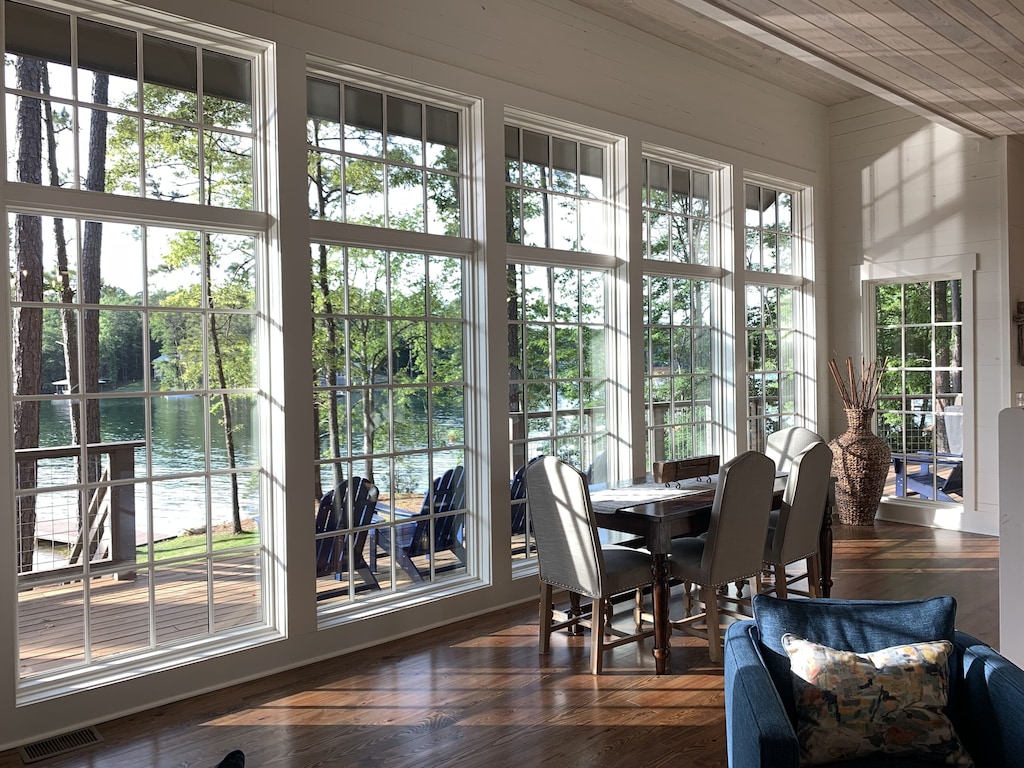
column 861, row 626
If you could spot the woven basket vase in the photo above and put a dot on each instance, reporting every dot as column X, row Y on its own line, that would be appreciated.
column 860, row 464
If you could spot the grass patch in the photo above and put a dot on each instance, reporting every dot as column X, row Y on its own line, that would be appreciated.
column 196, row 545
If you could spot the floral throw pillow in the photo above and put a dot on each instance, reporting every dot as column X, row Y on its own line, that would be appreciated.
column 889, row 702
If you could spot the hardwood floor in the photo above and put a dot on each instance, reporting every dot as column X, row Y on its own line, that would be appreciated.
column 477, row 693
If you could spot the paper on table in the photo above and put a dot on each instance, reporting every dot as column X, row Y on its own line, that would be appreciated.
column 615, row 498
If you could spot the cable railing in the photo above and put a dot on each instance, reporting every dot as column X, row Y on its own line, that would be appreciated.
column 103, row 533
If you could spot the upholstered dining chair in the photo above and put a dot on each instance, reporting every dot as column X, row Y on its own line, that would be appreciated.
column 571, row 557
column 793, row 529
column 786, row 444
column 733, row 548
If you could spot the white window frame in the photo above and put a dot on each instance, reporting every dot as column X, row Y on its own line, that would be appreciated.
column 45, row 200
column 716, row 274
column 801, row 281
column 951, row 267
column 334, row 613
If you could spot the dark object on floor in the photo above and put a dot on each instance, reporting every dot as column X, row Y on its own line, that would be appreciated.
column 235, row 759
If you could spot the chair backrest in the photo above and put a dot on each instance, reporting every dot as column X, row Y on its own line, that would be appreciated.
column 786, row 444
column 448, row 492
column 568, row 547
column 803, row 505
column 739, row 519
column 335, row 512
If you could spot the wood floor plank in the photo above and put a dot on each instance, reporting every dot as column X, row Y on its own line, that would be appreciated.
column 477, row 695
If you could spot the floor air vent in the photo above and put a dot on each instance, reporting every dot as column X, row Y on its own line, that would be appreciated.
column 58, row 745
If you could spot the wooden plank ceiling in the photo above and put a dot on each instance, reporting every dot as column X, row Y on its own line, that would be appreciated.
column 960, row 62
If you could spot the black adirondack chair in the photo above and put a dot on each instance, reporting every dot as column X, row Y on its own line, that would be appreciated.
column 414, row 538
column 517, row 491
column 332, row 552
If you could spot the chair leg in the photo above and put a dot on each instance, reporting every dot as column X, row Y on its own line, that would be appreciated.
column 545, row 617
column 712, row 618
column 575, row 611
column 781, row 588
column 814, row 575
column 638, row 610
column 597, row 635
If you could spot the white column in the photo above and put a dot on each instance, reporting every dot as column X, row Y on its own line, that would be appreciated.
column 1011, row 532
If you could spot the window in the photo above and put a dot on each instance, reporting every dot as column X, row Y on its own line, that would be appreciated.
column 389, row 349
column 677, row 213
column 771, row 362
column 918, row 333
column 679, row 367
column 176, row 118
column 554, row 192
column 382, row 160
column 558, row 375
column 778, row 316
column 555, row 198
column 769, row 230
column 137, row 393
column 681, row 298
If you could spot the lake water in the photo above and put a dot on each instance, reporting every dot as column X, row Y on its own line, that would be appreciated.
column 179, row 426
column 179, row 437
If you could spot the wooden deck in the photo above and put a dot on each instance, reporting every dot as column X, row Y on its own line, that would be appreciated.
column 476, row 693
column 52, row 624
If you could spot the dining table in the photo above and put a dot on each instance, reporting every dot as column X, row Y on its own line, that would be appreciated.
column 659, row 512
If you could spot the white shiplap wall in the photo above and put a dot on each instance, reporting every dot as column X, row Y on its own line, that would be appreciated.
column 907, row 196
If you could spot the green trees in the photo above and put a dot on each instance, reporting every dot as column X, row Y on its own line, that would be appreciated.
column 387, row 325
column 918, row 331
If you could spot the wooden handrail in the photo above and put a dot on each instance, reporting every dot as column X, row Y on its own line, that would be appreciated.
column 111, row 504
column 68, row 451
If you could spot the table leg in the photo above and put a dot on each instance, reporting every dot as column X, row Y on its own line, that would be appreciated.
column 662, row 628
column 575, row 611
column 825, row 544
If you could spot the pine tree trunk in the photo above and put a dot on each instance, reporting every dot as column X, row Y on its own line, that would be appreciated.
column 28, row 321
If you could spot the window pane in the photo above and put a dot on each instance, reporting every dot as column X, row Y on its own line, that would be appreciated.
column 227, row 91
column 112, row 52
column 171, row 76
column 364, row 122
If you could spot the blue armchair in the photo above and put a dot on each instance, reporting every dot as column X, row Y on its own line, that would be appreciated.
column 986, row 691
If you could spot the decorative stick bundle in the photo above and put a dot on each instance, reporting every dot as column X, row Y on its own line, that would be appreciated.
column 862, row 391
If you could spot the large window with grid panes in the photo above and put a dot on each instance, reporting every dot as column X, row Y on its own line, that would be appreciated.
column 681, row 293
column 778, row 326
column 387, row 173
column 559, row 235
column 137, row 250
column 919, row 341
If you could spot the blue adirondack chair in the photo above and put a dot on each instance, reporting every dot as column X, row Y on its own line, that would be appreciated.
column 414, row 538
column 332, row 553
column 517, row 492
column 923, row 482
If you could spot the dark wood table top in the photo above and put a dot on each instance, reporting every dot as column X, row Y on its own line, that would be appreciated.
column 671, row 512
